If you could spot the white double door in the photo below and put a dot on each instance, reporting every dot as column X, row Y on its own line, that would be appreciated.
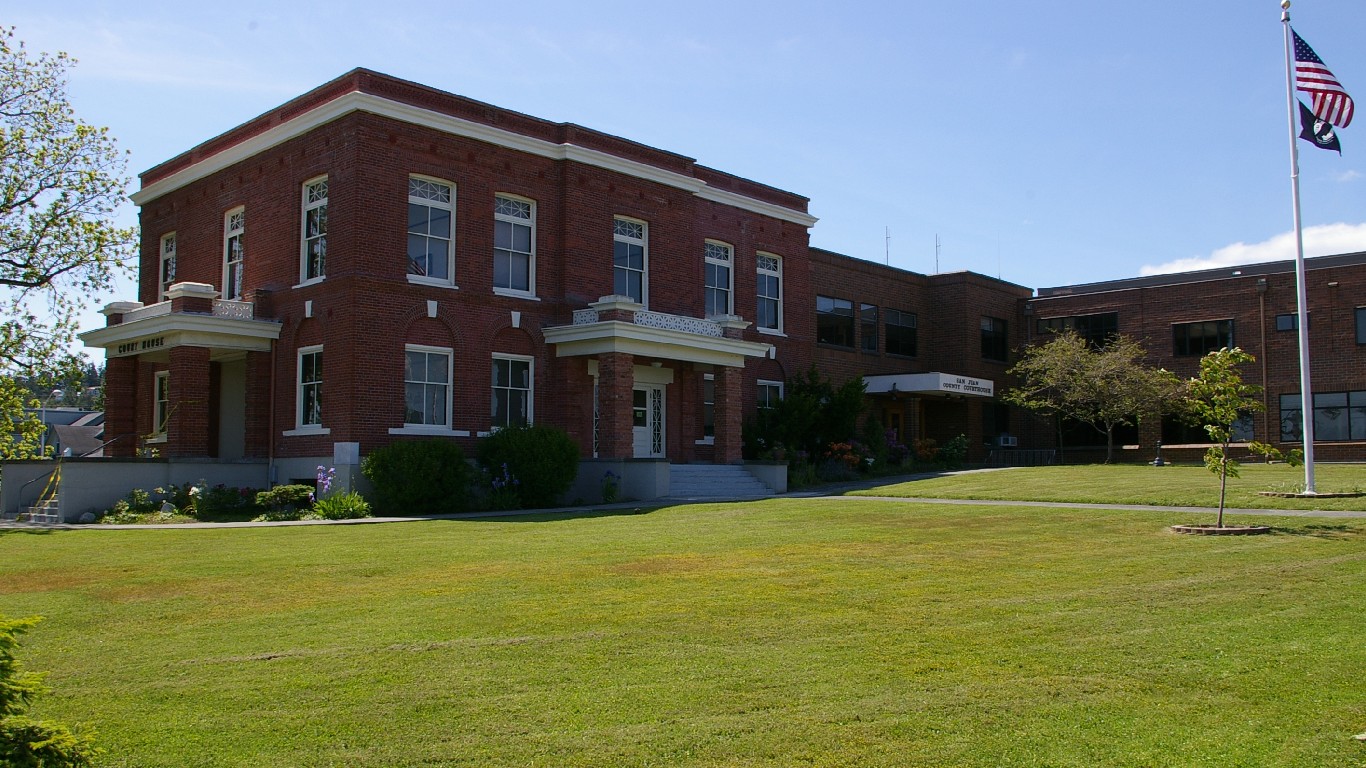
column 647, row 420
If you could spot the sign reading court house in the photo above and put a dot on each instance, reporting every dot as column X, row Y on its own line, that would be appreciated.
column 933, row 383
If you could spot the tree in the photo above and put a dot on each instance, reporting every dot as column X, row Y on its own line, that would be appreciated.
column 61, row 181
column 20, row 430
column 1105, row 387
column 1217, row 398
column 27, row 742
column 812, row 413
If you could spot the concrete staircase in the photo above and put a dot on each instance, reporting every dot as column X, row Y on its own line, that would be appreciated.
column 44, row 511
column 714, row 481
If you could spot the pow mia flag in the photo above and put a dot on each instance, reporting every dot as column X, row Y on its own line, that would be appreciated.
column 1318, row 132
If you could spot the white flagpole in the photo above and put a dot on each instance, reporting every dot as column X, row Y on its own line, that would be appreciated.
column 1306, row 392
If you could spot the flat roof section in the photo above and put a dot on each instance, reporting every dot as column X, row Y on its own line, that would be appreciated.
column 1203, row 275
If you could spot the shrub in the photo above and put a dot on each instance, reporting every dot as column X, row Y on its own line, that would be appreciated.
column 221, row 501
column 955, row 452
column 285, row 498
column 418, row 477
column 544, row 460
column 342, row 506
column 26, row 742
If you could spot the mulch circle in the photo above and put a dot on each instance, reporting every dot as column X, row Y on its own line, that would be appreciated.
column 1228, row 530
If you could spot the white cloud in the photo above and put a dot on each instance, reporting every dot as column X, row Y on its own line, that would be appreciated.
column 1322, row 240
column 1346, row 176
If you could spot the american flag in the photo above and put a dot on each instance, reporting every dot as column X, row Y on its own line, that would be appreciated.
column 1331, row 103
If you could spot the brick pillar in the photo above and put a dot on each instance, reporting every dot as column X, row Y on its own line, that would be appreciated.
column 121, row 406
column 730, row 414
column 257, row 437
column 187, row 430
column 616, row 375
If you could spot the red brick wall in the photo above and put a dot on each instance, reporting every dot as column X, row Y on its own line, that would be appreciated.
column 1338, row 362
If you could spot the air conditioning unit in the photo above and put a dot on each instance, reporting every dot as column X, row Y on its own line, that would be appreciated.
column 1008, row 441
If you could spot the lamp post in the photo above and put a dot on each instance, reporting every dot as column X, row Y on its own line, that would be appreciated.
column 42, row 440
column 1158, row 462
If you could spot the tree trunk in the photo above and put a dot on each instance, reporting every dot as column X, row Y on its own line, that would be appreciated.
column 1223, row 484
column 1109, row 445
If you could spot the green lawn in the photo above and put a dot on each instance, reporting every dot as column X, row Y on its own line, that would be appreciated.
column 1189, row 486
column 776, row 633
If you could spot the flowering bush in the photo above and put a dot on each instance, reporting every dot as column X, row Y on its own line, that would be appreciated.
column 611, row 484
column 926, row 449
column 897, row 452
column 505, row 490
column 545, row 459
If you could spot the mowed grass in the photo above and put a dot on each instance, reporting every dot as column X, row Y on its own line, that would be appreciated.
column 776, row 633
column 1189, row 486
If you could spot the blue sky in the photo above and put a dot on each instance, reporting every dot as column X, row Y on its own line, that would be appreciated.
column 1043, row 143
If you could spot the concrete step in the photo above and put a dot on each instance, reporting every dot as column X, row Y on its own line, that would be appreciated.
column 42, row 512
column 714, row 481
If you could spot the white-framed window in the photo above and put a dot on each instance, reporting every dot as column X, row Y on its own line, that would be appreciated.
column 630, row 259
column 769, row 393
column 161, row 402
column 310, row 404
column 512, row 390
column 768, row 313
column 717, row 261
column 313, row 261
column 426, row 386
column 167, row 268
column 708, row 407
column 234, row 251
column 514, row 245
column 431, row 228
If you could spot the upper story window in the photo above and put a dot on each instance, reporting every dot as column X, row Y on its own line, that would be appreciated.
column 310, row 387
column 995, row 339
column 1097, row 329
column 768, row 312
column 514, row 245
column 630, row 259
column 167, row 270
column 901, row 332
column 426, row 386
column 234, row 252
column 313, row 258
column 431, row 221
column 1201, row 338
column 1291, row 322
column 1361, row 325
column 834, row 321
column 867, row 316
column 717, row 263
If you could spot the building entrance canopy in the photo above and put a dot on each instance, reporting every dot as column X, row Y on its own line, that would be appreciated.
column 933, row 383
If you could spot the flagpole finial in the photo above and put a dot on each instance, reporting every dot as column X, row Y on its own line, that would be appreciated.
column 1285, row 5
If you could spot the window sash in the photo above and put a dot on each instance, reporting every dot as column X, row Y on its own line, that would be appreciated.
column 315, row 229
column 234, row 252
column 834, row 321
column 426, row 385
column 311, row 388
column 431, row 229
column 769, row 292
column 161, row 402
column 511, row 392
column 629, row 259
column 514, row 244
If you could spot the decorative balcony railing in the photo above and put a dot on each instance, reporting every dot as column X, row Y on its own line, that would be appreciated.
column 234, row 310
column 697, row 325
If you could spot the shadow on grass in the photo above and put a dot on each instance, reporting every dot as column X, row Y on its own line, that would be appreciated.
column 29, row 531
column 1319, row 531
column 549, row 516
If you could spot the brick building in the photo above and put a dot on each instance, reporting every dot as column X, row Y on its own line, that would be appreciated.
column 377, row 260
column 1180, row 317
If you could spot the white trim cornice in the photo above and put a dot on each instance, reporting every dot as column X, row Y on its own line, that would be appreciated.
column 647, row 341
column 184, row 329
column 456, row 126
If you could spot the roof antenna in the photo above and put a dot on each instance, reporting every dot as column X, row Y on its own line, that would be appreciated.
column 887, row 253
column 936, row 253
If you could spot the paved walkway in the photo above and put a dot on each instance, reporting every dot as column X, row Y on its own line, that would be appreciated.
column 828, row 492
